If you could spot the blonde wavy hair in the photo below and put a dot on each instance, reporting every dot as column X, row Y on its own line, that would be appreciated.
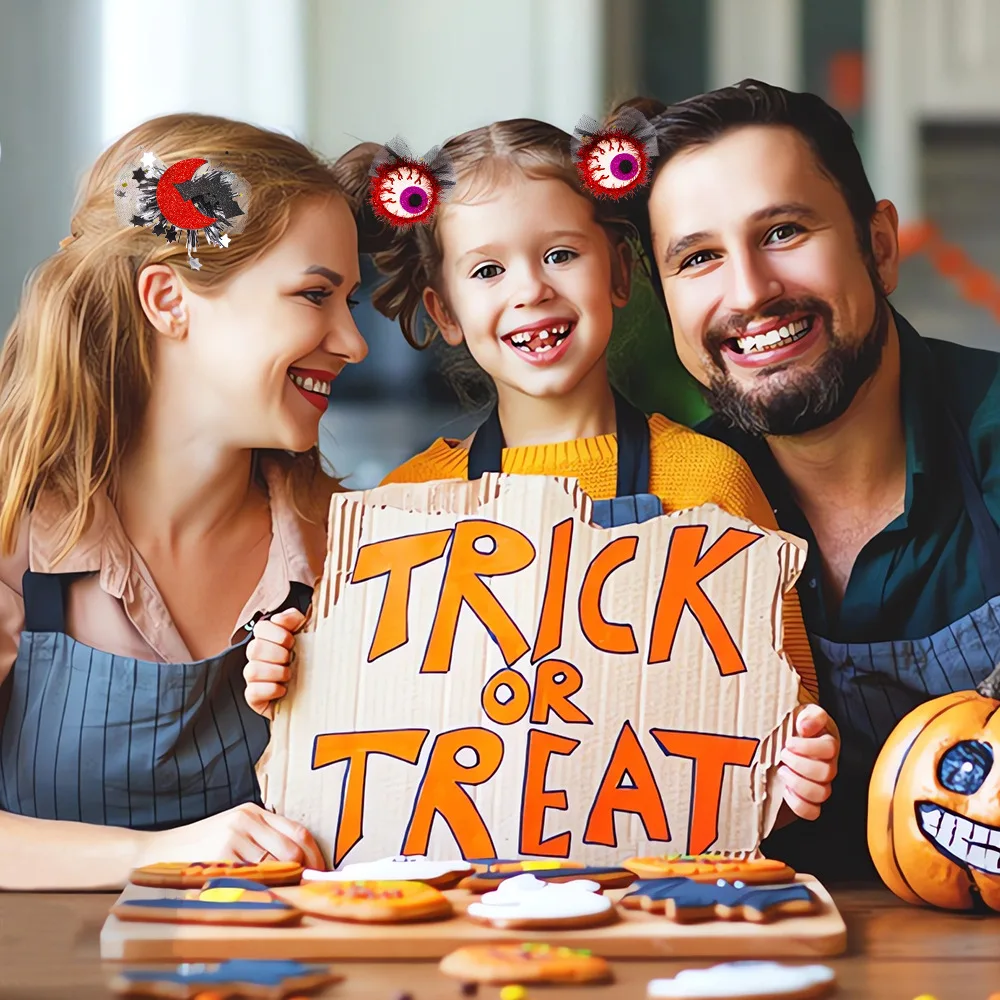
column 76, row 366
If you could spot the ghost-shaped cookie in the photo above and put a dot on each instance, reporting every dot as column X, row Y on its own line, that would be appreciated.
column 738, row 980
column 528, row 902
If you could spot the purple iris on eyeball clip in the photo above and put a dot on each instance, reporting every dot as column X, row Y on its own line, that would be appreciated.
column 623, row 166
column 413, row 199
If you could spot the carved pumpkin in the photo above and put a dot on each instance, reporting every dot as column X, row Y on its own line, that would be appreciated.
column 934, row 802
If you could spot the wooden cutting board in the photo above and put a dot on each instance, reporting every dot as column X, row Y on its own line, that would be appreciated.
column 636, row 935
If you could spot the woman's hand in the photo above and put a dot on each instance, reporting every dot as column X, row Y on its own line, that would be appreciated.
column 809, row 762
column 244, row 833
column 269, row 656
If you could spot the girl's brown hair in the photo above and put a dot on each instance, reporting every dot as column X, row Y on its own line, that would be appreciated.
column 480, row 159
column 76, row 366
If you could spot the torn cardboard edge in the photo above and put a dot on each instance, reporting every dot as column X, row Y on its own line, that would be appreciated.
column 340, row 688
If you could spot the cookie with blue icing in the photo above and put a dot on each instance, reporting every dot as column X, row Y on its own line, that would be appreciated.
column 219, row 901
column 685, row 901
column 238, row 978
column 490, row 872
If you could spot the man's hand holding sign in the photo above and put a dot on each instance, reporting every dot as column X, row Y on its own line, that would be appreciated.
column 486, row 671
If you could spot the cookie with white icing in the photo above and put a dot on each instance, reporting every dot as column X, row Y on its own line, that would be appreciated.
column 499, row 964
column 526, row 902
column 439, row 874
column 746, row 981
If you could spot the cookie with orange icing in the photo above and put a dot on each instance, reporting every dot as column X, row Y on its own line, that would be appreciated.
column 711, row 868
column 194, row 874
column 220, row 901
column 370, row 902
column 499, row 964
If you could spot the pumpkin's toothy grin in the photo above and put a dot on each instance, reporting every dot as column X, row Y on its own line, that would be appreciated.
column 959, row 838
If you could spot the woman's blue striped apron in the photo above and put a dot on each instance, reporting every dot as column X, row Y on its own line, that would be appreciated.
column 868, row 687
column 99, row 738
column 632, row 503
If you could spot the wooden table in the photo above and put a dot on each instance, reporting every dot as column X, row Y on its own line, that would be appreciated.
column 49, row 950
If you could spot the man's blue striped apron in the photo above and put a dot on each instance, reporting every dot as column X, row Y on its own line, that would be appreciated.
column 869, row 687
column 99, row 738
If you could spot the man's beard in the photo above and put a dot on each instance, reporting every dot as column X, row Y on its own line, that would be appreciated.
column 805, row 400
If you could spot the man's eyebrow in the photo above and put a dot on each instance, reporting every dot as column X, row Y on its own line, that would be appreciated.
column 790, row 209
column 796, row 209
column 335, row 279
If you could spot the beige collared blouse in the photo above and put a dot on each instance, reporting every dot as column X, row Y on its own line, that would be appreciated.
column 118, row 609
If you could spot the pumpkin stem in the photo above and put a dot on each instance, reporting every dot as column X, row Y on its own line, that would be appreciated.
column 989, row 687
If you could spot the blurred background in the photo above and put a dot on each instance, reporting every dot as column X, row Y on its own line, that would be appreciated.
column 919, row 81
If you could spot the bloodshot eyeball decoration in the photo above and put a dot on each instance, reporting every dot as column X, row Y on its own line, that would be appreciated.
column 191, row 196
column 404, row 189
column 614, row 162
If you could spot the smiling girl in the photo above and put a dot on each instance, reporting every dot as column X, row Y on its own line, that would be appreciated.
column 526, row 269
column 162, row 490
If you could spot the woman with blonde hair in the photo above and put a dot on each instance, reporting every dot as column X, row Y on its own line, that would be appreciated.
column 162, row 497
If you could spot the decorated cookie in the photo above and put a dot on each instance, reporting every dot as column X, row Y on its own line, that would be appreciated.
column 221, row 901
column 736, row 980
column 369, row 901
column 524, row 963
column 606, row 878
column 239, row 978
column 684, row 900
column 193, row 875
column 711, row 867
column 440, row 874
column 519, row 865
column 525, row 901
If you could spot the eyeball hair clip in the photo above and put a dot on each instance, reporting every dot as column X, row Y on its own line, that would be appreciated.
column 405, row 189
column 615, row 161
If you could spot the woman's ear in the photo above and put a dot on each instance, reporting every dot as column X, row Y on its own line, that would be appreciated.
column 437, row 309
column 621, row 274
column 162, row 296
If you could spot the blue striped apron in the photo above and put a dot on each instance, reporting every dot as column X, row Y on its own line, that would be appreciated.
column 632, row 503
column 869, row 687
column 99, row 738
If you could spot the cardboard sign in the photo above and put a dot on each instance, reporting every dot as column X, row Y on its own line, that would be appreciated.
column 487, row 674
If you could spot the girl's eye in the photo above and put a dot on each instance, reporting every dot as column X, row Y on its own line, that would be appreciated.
column 783, row 232
column 560, row 256
column 316, row 295
column 488, row 271
column 352, row 304
column 701, row 257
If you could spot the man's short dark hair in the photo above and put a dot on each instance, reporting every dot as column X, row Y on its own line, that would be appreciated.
column 700, row 120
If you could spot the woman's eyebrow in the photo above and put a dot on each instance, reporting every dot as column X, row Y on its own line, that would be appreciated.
column 333, row 277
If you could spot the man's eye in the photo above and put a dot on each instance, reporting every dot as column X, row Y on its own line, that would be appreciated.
column 701, row 257
column 560, row 256
column 316, row 295
column 783, row 232
column 488, row 271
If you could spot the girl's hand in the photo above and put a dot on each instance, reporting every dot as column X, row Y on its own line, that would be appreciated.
column 269, row 656
column 244, row 833
column 809, row 762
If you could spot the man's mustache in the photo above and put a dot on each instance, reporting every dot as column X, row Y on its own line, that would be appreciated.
column 736, row 324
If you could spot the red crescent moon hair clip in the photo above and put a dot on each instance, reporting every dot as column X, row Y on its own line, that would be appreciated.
column 404, row 189
column 615, row 161
column 191, row 196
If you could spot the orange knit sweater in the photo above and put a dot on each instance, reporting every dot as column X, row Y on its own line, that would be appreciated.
column 686, row 469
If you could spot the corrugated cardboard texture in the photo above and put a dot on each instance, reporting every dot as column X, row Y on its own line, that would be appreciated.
column 595, row 765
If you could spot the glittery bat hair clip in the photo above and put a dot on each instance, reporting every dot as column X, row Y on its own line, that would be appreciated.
column 614, row 161
column 191, row 196
column 404, row 189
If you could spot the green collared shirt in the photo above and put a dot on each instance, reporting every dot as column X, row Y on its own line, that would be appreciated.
column 922, row 571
